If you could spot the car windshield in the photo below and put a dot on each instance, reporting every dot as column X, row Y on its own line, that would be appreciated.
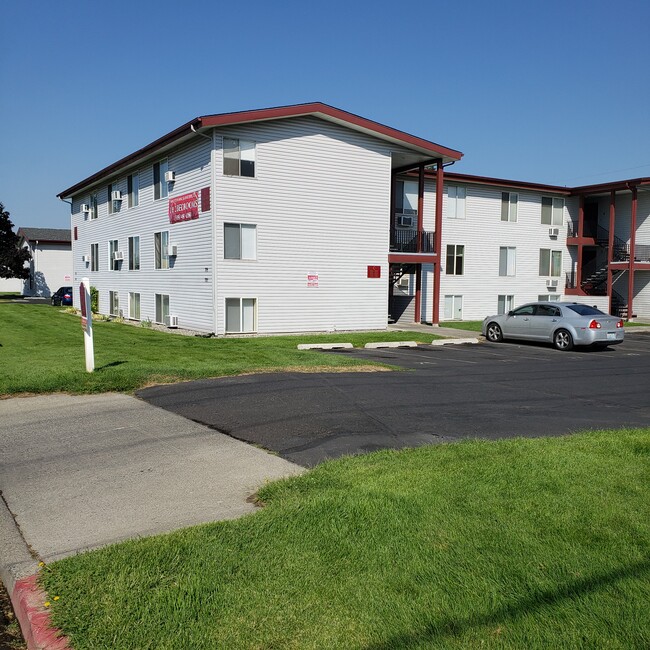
column 585, row 310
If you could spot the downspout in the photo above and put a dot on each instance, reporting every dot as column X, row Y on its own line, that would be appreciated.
column 213, row 219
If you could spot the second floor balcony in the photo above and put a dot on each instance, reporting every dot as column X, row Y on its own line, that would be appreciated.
column 407, row 240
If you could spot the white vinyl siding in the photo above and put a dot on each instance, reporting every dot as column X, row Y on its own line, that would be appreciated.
column 134, row 305
column 456, row 197
column 241, row 315
column 507, row 260
column 509, row 203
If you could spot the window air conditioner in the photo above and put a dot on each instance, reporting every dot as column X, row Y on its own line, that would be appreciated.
column 85, row 207
column 172, row 250
column 551, row 283
column 85, row 258
column 405, row 220
column 553, row 232
column 172, row 321
column 116, row 195
column 118, row 256
column 170, row 177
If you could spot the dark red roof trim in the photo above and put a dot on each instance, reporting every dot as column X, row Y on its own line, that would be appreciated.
column 500, row 182
column 314, row 109
column 615, row 185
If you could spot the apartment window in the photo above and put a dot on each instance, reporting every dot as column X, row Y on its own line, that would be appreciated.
column 134, row 253
column 93, row 206
column 238, row 157
column 239, row 241
column 160, row 187
column 113, row 303
column 550, row 262
column 548, row 297
column 455, row 261
column 406, row 197
column 456, row 202
column 505, row 303
column 552, row 211
column 162, row 308
column 453, row 307
column 133, row 189
column 113, row 206
column 113, row 247
column 94, row 257
column 241, row 315
column 161, row 249
column 509, row 201
column 134, row 306
column 507, row 260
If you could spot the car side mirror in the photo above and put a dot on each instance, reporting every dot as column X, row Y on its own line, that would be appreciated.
column 511, row 313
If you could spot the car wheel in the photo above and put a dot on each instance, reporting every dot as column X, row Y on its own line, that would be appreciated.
column 493, row 333
column 562, row 340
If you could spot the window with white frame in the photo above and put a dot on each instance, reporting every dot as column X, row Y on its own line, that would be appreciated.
column 94, row 257
column 113, row 247
column 238, row 157
column 509, row 201
column 456, row 197
column 133, row 189
column 160, row 186
column 241, row 315
column 239, row 241
column 161, row 249
column 455, row 259
column 93, row 205
column 134, row 253
column 507, row 260
column 505, row 303
column 552, row 211
column 550, row 263
column 548, row 297
column 113, row 303
column 113, row 206
column 162, row 308
column 453, row 307
column 406, row 198
column 134, row 306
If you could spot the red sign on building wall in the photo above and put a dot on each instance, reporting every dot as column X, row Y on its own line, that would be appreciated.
column 184, row 208
column 374, row 271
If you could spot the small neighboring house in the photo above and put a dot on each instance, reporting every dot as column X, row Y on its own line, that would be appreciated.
column 51, row 264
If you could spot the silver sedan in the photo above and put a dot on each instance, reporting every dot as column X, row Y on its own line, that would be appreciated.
column 564, row 324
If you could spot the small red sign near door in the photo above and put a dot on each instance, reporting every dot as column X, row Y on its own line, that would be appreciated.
column 374, row 271
column 312, row 279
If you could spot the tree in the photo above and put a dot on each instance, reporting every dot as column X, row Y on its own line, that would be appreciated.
column 12, row 258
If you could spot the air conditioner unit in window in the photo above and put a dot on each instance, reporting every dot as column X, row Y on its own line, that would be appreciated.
column 405, row 220
column 172, row 250
column 118, row 256
column 171, row 321
column 170, row 177
column 85, row 207
column 553, row 232
column 85, row 258
column 551, row 283
column 116, row 195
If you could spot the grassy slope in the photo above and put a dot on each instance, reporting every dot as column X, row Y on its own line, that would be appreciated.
column 541, row 543
column 41, row 350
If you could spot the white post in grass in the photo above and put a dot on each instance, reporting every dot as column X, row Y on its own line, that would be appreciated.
column 87, row 323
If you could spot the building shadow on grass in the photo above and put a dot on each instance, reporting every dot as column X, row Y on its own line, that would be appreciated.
column 439, row 629
column 112, row 364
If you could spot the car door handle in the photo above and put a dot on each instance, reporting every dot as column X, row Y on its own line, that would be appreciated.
column 554, row 320
column 526, row 319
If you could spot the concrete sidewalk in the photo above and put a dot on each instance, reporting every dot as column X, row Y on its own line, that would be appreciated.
column 78, row 472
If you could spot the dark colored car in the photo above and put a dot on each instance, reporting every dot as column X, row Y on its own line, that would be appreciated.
column 63, row 296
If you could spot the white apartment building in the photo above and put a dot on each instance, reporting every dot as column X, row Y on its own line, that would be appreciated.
column 309, row 218
column 50, row 266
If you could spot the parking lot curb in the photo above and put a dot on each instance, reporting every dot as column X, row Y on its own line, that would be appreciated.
column 324, row 346
column 35, row 619
column 391, row 344
column 455, row 341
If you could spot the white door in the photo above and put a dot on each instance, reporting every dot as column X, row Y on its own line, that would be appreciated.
column 453, row 307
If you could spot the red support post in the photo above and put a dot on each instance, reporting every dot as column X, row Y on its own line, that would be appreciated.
column 417, row 317
column 438, row 243
column 610, row 245
column 630, row 281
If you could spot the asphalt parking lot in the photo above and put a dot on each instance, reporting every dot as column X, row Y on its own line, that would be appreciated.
column 444, row 393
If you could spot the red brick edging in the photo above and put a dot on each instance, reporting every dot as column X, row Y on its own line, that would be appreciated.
column 34, row 618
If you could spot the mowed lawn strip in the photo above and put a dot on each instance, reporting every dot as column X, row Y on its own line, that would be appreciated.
column 521, row 543
column 42, row 351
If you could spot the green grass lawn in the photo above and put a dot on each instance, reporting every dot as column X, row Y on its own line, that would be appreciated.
column 41, row 350
column 523, row 544
column 470, row 325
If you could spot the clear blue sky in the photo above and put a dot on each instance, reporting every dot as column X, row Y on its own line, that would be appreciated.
column 554, row 92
